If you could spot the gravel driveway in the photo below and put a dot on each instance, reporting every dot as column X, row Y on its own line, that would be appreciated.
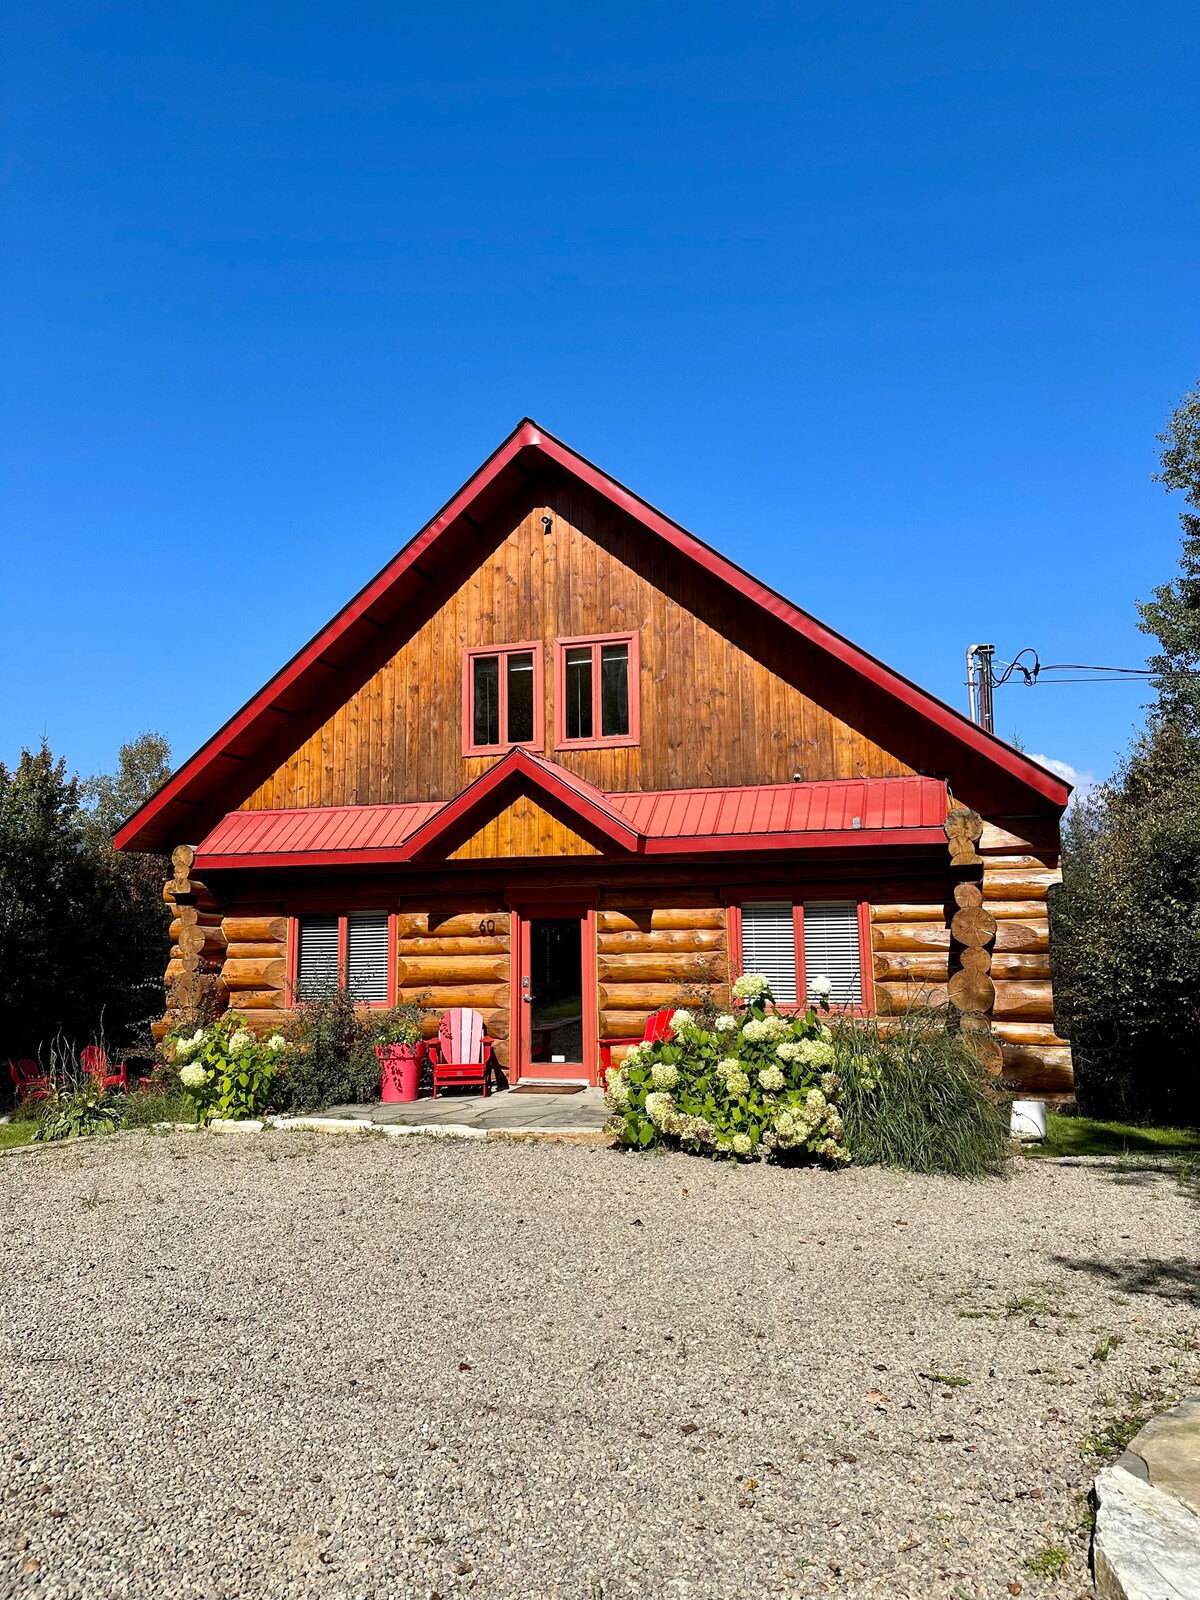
column 304, row 1365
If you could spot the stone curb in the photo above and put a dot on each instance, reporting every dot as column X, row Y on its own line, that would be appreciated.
column 1147, row 1540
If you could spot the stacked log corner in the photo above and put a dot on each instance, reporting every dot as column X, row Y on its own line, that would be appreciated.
column 1020, row 868
column 970, row 989
column 652, row 956
column 457, row 958
column 194, row 983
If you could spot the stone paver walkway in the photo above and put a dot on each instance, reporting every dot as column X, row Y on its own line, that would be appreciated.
column 511, row 1113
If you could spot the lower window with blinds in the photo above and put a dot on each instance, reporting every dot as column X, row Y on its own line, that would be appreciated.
column 351, row 951
column 792, row 942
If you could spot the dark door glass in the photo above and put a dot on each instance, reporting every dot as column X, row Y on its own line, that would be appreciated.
column 556, row 983
column 614, row 690
column 520, row 699
column 486, row 702
column 579, row 693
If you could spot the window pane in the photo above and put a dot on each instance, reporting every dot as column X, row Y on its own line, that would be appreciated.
column 520, row 699
column 831, row 949
column 769, row 945
column 486, row 707
column 579, row 693
column 367, row 955
column 317, row 964
column 614, row 690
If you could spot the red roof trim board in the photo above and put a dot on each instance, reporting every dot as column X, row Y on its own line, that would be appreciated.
column 857, row 814
column 151, row 827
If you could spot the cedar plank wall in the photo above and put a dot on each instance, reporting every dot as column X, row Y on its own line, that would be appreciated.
column 727, row 696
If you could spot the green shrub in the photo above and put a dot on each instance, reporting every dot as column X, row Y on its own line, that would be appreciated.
column 330, row 1057
column 400, row 1024
column 754, row 1083
column 913, row 1096
column 78, row 1113
column 226, row 1070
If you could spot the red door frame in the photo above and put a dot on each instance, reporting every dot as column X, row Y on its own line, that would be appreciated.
column 522, row 915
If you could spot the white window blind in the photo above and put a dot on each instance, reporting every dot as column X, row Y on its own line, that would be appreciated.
column 769, row 945
column 831, row 949
column 367, row 954
column 317, row 966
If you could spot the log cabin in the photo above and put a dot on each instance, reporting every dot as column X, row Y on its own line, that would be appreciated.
column 562, row 762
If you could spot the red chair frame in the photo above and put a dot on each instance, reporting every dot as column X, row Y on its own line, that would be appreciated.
column 29, row 1081
column 105, row 1074
column 449, row 1073
column 658, row 1026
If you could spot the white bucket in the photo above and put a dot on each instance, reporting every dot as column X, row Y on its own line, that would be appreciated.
column 1029, row 1119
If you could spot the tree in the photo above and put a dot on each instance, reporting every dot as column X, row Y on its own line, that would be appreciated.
column 1127, row 919
column 83, row 933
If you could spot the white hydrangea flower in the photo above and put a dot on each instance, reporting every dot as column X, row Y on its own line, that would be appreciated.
column 736, row 1082
column 193, row 1076
column 816, row 1052
column 617, row 1093
column 821, row 987
column 240, row 1039
column 185, row 1049
column 658, row 1108
column 741, row 1144
column 726, row 1023
column 199, row 1036
column 634, row 1054
column 665, row 1075
column 788, row 1050
column 771, row 1079
column 682, row 1018
column 830, row 1083
column 276, row 1042
column 749, row 986
column 777, row 1027
column 756, row 1031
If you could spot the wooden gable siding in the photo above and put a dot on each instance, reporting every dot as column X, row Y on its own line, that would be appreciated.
column 523, row 828
column 728, row 696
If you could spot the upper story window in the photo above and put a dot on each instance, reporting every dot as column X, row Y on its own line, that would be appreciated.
column 502, row 698
column 351, row 952
column 597, row 691
column 792, row 942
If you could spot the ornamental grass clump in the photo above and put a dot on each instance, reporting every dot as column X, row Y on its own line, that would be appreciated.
column 226, row 1070
column 746, row 1084
column 913, row 1096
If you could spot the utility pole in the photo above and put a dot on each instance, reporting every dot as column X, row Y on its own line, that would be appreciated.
column 980, row 682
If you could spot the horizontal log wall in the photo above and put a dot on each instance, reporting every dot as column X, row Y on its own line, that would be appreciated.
column 648, row 956
column 1020, row 868
column 910, row 955
column 458, row 957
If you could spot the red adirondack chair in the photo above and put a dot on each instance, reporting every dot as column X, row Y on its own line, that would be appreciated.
column 462, row 1052
column 105, row 1074
column 30, row 1082
column 657, row 1026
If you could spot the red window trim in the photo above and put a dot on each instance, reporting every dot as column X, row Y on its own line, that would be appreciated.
column 615, row 741
column 535, row 648
column 734, row 899
column 293, row 953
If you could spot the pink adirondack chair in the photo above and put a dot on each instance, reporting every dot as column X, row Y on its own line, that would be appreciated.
column 657, row 1026
column 29, row 1081
column 105, row 1074
column 462, row 1053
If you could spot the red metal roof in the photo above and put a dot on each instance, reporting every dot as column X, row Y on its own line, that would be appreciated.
column 852, row 812
column 301, row 694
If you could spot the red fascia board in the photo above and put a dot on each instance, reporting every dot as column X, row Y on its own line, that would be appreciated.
column 528, row 436
column 591, row 807
column 309, row 657
column 835, row 644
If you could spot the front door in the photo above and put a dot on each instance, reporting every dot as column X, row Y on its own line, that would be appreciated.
column 556, row 1000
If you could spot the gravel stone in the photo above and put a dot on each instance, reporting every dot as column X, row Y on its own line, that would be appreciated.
column 305, row 1366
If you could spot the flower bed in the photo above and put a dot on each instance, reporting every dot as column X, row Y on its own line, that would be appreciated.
column 745, row 1085
column 226, row 1070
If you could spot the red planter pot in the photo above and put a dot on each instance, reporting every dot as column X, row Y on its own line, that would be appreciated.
column 401, row 1065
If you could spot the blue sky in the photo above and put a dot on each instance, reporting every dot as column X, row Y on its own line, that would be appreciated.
column 886, row 302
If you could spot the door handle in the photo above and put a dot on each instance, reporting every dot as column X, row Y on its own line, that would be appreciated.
column 528, row 999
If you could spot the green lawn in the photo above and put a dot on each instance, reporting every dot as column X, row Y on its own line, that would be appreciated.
column 15, row 1133
column 1084, row 1136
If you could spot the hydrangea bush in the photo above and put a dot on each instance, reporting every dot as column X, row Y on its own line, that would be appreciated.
column 225, row 1069
column 757, row 1082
